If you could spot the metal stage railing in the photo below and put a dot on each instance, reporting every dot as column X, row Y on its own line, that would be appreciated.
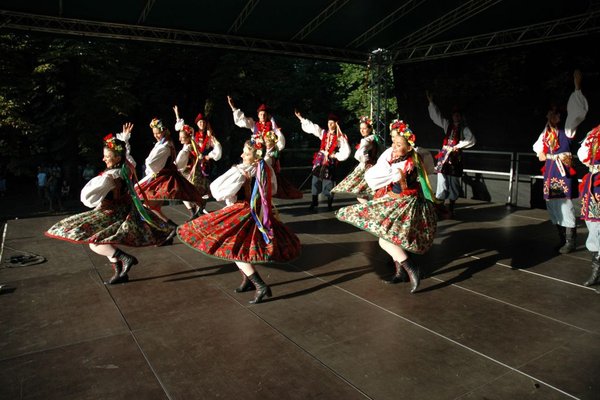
column 512, row 172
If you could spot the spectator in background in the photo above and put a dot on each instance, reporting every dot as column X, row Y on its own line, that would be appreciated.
column 42, row 181
column 88, row 173
column 65, row 190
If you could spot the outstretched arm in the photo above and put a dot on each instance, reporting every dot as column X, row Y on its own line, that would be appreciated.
column 125, row 135
column 577, row 107
column 230, row 102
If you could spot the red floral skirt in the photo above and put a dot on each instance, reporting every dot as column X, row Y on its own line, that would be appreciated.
column 231, row 234
column 169, row 184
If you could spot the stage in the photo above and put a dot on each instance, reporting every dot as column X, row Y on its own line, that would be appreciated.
column 498, row 315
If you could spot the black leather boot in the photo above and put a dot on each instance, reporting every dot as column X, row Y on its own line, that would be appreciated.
column 246, row 284
column 562, row 232
column 193, row 213
column 330, row 203
column 173, row 231
column 314, row 203
column 126, row 260
column 451, row 208
column 118, row 276
column 400, row 275
column 594, row 279
column 262, row 290
column 413, row 274
column 570, row 241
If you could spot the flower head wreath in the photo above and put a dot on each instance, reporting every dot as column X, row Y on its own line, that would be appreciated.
column 366, row 120
column 188, row 130
column 111, row 142
column 259, row 147
column 157, row 123
column 402, row 129
column 271, row 136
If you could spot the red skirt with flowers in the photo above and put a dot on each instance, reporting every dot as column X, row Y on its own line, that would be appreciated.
column 406, row 220
column 169, row 184
column 231, row 234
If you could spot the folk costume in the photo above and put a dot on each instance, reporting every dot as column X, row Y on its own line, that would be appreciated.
column 118, row 217
column 589, row 154
column 560, row 180
column 196, row 160
column 162, row 180
column 367, row 152
column 449, row 167
column 247, row 230
column 259, row 129
column 402, row 214
column 333, row 149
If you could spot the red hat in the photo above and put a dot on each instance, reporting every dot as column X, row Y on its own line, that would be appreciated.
column 262, row 107
column 332, row 117
column 199, row 117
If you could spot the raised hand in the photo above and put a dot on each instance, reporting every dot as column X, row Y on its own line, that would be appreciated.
column 429, row 96
column 230, row 101
column 127, row 127
column 577, row 77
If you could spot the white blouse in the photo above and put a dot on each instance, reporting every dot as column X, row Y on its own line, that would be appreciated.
column 157, row 159
column 343, row 147
column 244, row 122
column 383, row 173
column 215, row 153
column 468, row 139
column 98, row 187
column 125, row 137
column 362, row 153
column 226, row 186
column 577, row 108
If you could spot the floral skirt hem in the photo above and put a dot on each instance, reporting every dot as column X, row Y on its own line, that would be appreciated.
column 407, row 221
column 169, row 184
column 354, row 183
column 120, row 225
column 231, row 234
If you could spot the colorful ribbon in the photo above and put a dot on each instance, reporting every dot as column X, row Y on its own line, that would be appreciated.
column 262, row 189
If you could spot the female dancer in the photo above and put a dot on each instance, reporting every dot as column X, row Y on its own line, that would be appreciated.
column 196, row 159
column 246, row 231
column 118, row 216
column 367, row 152
column 162, row 180
column 402, row 214
column 589, row 154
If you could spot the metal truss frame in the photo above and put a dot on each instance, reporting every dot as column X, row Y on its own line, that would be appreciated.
column 400, row 12
column 146, row 11
column 244, row 14
column 39, row 23
column 455, row 17
column 379, row 73
column 563, row 28
column 319, row 19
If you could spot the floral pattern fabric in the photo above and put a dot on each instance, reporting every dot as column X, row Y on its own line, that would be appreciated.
column 355, row 183
column 169, row 184
column 232, row 234
column 111, row 223
column 406, row 220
